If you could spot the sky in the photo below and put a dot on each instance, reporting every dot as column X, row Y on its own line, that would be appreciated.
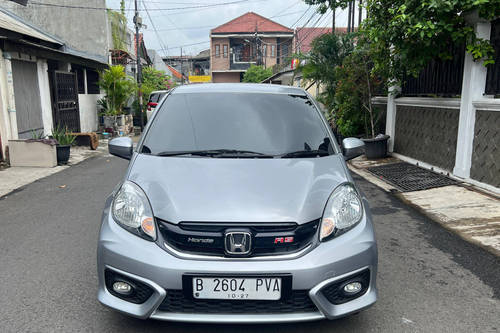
column 185, row 27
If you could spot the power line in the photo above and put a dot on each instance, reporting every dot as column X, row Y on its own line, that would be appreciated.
column 162, row 44
column 159, row 9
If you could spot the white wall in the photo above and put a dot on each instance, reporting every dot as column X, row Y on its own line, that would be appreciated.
column 46, row 104
column 88, row 112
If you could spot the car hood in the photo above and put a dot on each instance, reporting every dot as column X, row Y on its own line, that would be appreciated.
column 237, row 190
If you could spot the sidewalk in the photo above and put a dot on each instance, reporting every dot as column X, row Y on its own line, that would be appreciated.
column 14, row 178
column 472, row 214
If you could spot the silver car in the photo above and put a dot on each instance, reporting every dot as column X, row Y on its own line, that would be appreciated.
column 237, row 206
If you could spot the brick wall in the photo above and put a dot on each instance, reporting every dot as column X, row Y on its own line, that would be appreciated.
column 219, row 63
column 226, row 77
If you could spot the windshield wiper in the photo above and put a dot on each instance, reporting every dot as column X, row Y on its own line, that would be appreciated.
column 305, row 153
column 215, row 153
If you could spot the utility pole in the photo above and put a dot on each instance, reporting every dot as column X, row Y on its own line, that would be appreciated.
column 182, row 67
column 332, row 5
column 360, row 17
column 349, row 16
column 138, row 23
column 353, row 14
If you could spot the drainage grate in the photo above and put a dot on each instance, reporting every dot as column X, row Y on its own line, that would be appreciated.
column 408, row 177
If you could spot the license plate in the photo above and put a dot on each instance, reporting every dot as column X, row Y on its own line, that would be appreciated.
column 266, row 288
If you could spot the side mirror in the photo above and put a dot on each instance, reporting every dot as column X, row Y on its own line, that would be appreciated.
column 352, row 148
column 121, row 147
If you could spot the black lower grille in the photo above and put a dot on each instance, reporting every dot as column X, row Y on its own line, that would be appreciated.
column 141, row 292
column 335, row 294
column 297, row 302
column 267, row 238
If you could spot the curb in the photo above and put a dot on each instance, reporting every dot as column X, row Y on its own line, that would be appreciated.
column 390, row 189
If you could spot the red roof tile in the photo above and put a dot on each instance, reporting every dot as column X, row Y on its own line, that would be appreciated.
column 306, row 35
column 174, row 72
column 249, row 22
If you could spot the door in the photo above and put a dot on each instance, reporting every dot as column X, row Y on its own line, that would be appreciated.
column 27, row 98
column 66, row 109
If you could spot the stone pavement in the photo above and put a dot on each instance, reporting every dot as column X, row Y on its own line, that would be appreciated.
column 471, row 213
column 14, row 178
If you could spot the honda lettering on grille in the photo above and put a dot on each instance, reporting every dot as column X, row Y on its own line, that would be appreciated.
column 238, row 242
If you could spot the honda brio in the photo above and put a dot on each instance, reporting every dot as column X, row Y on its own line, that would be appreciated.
column 237, row 206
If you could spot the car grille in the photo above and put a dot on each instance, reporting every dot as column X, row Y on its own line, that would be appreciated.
column 297, row 302
column 210, row 237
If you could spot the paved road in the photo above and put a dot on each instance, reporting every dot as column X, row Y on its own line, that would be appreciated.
column 429, row 280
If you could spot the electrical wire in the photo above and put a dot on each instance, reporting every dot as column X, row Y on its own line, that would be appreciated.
column 160, row 9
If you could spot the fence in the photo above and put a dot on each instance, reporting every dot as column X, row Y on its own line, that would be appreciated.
column 493, row 77
column 439, row 78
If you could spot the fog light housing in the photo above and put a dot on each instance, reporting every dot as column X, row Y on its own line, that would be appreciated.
column 353, row 288
column 122, row 288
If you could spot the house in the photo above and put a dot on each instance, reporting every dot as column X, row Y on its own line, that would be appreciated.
column 302, row 43
column 246, row 40
column 49, row 75
column 196, row 68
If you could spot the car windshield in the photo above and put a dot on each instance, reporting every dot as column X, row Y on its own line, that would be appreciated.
column 265, row 123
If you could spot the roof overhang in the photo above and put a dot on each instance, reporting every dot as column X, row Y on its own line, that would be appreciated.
column 251, row 34
column 229, row 71
column 11, row 22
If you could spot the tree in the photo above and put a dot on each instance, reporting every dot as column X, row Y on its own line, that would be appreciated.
column 407, row 34
column 327, row 53
column 153, row 79
column 118, row 88
column 356, row 85
column 324, row 5
column 257, row 74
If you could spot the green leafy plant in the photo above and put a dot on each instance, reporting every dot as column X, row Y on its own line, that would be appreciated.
column 257, row 74
column 37, row 135
column 327, row 53
column 118, row 88
column 152, row 80
column 62, row 136
column 407, row 34
column 357, row 83
column 118, row 22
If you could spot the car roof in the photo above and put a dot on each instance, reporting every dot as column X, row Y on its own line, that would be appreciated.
column 238, row 88
column 159, row 92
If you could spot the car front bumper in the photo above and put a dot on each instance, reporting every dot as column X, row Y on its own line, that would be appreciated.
column 143, row 261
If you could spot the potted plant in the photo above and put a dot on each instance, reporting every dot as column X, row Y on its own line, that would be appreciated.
column 353, row 96
column 64, row 141
column 118, row 88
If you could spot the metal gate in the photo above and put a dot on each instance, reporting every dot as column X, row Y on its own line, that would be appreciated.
column 27, row 98
column 66, row 109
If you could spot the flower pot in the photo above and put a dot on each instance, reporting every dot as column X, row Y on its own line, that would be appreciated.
column 376, row 147
column 63, row 154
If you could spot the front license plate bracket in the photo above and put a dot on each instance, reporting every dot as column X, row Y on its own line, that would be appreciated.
column 286, row 283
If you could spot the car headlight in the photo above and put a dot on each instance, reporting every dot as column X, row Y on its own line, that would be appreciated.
column 131, row 209
column 343, row 211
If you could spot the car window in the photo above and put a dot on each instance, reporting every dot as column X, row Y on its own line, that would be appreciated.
column 154, row 98
column 260, row 122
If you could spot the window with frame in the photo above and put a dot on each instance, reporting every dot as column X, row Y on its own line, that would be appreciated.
column 273, row 50
column 264, row 50
column 225, row 50
column 93, row 82
column 80, row 79
column 217, row 50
